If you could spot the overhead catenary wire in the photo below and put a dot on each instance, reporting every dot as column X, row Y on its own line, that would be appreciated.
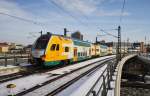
column 120, row 19
column 122, row 11
column 82, row 13
column 22, row 19
column 109, row 33
column 66, row 12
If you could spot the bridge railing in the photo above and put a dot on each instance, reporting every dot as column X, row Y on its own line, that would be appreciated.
column 102, row 84
column 119, row 73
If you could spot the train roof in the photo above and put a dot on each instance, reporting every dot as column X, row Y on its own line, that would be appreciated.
column 81, row 43
column 103, row 46
column 75, row 41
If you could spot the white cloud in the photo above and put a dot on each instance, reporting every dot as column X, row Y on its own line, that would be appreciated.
column 112, row 13
column 89, row 7
column 13, row 30
column 17, row 31
column 78, row 6
column 13, row 9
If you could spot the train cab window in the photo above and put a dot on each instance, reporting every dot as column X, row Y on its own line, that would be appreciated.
column 66, row 49
column 41, row 42
column 57, row 47
column 53, row 47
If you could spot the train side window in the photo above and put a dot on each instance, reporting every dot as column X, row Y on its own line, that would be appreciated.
column 92, row 49
column 57, row 47
column 78, row 54
column 53, row 47
column 66, row 49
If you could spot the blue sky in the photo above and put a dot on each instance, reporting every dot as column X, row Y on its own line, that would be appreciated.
column 87, row 16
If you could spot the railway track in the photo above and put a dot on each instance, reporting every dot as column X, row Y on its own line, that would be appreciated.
column 61, row 88
column 135, row 85
column 30, row 71
column 54, row 86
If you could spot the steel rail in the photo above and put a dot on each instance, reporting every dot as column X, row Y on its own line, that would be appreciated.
column 92, row 89
column 53, row 93
column 35, row 69
column 21, row 74
column 54, row 79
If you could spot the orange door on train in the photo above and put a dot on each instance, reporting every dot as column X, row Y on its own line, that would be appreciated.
column 75, row 54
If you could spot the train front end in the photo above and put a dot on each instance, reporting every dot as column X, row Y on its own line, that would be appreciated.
column 39, row 48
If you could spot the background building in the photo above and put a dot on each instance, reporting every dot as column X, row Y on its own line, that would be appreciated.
column 77, row 35
column 125, row 46
column 4, row 47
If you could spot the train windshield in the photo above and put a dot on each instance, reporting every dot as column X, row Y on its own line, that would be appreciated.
column 42, row 42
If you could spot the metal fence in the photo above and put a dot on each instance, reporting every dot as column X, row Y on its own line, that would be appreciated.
column 102, row 85
column 13, row 59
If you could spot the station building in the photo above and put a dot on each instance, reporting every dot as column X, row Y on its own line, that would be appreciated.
column 4, row 47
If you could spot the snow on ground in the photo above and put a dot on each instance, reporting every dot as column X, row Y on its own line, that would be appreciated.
column 24, row 83
column 8, row 66
column 110, row 92
column 76, row 66
column 10, row 69
column 44, row 90
column 33, row 80
column 83, row 84
column 147, row 79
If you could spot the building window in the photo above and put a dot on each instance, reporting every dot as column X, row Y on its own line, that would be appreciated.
column 53, row 47
column 57, row 47
column 66, row 49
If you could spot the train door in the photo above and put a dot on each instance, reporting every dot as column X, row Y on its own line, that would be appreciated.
column 75, row 54
column 54, row 51
column 89, row 51
column 57, row 51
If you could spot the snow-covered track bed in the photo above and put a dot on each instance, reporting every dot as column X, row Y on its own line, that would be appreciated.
column 30, row 70
column 23, row 73
column 80, row 75
column 31, row 83
column 57, row 84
